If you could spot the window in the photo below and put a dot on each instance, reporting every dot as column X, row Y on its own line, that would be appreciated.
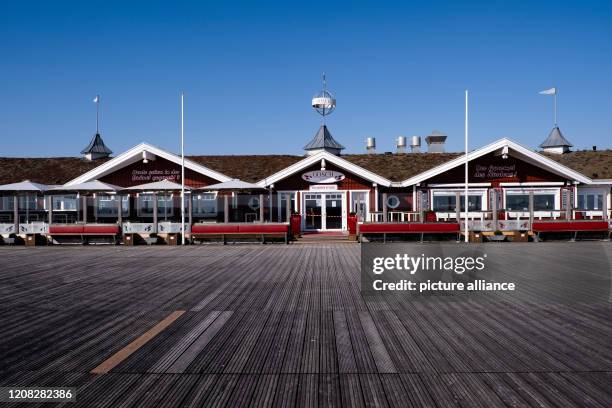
column 519, row 200
column 29, row 202
column 7, row 203
column 64, row 203
column 590, row 201
column 393, row 201
column 446, row 202
column 165, row 206
column 204, row 205
column 107, row 205
column 282, row 205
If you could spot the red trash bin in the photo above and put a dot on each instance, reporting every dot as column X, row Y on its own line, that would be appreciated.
column 296, row 225
column 352, row 225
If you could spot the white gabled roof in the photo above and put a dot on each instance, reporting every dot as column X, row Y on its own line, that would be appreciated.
column 524, row 153
column 329, row 158
column 135, row 154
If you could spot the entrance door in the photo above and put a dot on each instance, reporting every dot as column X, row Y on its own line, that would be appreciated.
column 323, row 211
column 313, row 212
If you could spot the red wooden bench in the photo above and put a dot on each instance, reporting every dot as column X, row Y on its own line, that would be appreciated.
column 569, row 226
column 385, row 228
column 83, row 231
column 240, row 231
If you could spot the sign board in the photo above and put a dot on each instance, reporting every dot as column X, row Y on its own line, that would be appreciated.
column 323, row 187
column 152, row 175
column 493, row 171
column 323, row 176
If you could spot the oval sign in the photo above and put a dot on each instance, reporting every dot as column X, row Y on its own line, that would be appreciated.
column 323, row 176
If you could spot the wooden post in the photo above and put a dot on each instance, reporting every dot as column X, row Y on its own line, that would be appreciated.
column 50, row 209
column 568, row 205
column 189, row 209
column 384, row 204
column 605, row 207
column 155, row 212
column 288, row 209
column 119, row 208
column 458, row 206
column 225, row 208
column 422, row 206
column 494, row 209
column 16, row 213
column 261, row 208
column 84, row 209
column 530, row 209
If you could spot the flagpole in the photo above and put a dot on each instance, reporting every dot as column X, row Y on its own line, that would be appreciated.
column 555, row 106
column 182, row 171
column 97, row 114
column 466, row 166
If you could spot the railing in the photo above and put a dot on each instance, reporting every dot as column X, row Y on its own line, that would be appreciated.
column 6, row 228
column 164, row 227
column 590, row 214
column 34, row 228
column 472, row 215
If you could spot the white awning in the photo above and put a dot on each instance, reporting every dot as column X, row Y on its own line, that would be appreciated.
column 25, row 186
column 234, row 184
column 95, row 185
column 161, row 185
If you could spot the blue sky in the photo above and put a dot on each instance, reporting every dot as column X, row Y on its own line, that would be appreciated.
column 250, row 69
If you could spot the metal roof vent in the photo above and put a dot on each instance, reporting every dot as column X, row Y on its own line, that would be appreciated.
column 401, row 144
column 371, row 145
column 435, row 142
column 415, row 144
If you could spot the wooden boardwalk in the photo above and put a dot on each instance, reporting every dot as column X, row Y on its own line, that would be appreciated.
column 284, row 326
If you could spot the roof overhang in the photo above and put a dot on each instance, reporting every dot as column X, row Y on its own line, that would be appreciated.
column 329, row 158
column 514, row 149
column 136, row 154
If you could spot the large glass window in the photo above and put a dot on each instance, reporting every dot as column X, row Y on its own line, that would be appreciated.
column 7, row 203
column 65, row 203
column 590, row 201
column 282, row 205
column 165, row 205
column 444, row 202
column 204, row 205
column 29, row 202
column 107, row 205
column 520, row 201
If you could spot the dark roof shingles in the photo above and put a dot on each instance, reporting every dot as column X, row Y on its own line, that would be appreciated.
column 252, row 168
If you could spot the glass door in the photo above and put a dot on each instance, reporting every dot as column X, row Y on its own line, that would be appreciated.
column 313, row 212
column 323, row 211
column 333, row 211
column 359, row 205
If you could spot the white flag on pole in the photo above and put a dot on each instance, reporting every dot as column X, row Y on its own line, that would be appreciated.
column 551, row 91
column 96, row 99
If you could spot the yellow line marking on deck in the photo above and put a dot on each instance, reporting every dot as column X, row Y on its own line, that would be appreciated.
column 128, row 350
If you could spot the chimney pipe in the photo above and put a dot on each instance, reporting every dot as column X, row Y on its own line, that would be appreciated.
column 415, row 144
column 371, row 145
column 401, row 144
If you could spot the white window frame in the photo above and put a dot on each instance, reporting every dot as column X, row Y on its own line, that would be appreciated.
column 62, row 200
column 555, row 212
column 367, row 202
column 205, row 196
column 280, row 199
column 474, row 192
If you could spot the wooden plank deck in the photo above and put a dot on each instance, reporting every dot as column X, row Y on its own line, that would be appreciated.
column 287, row 326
